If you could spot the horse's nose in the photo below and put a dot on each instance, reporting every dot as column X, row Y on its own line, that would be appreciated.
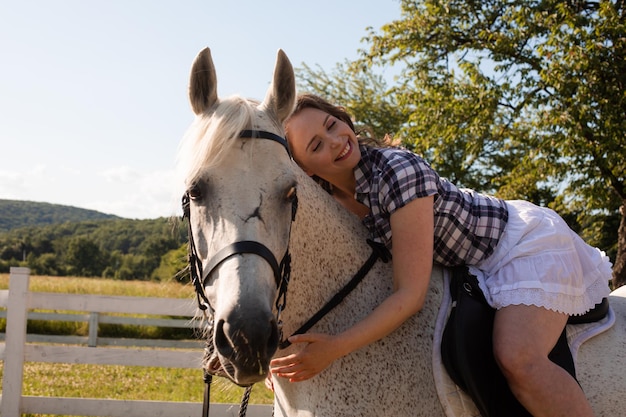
column 249, row 344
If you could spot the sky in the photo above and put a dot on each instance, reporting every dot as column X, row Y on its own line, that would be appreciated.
column 93, row 94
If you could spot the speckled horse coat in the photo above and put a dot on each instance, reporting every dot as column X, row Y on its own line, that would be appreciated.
column 391, row 377
column 246, row 194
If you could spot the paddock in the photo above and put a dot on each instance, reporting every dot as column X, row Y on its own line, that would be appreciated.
column 17, row 305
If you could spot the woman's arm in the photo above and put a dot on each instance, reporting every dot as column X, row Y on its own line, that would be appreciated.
column 412, row 228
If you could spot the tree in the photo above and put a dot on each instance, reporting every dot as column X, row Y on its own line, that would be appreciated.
column 526, row 99
column 173, row 266
column 366, row 94
column 84, row 257
column 153, row 248
column 92, row 247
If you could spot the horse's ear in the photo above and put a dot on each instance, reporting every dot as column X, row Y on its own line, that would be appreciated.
column 202, row 83
column 281, row 96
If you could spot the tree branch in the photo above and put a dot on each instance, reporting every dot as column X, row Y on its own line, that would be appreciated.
column 606, row 172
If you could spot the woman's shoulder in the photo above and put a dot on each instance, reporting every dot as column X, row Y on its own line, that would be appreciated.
column 390, row 154
column 394, row 159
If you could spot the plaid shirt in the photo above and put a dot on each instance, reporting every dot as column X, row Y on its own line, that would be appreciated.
column 468, row 225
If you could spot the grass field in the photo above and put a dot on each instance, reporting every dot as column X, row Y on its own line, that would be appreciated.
column 121, row 382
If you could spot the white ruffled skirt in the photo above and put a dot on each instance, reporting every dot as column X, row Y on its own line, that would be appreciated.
column 540, row 261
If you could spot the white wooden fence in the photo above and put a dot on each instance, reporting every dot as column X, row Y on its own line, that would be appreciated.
column 20, row 347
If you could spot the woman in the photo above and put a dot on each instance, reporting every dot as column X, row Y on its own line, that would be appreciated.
column 532, row 268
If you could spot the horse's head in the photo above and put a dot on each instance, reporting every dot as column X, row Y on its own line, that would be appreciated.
column 239, row 199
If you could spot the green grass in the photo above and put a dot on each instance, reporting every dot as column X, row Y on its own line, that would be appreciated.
column 77, row 285
column 130, row 383
column 122, row 382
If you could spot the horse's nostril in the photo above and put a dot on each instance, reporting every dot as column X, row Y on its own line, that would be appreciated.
column 222, row 342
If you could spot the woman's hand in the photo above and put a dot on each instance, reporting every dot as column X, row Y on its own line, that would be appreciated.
column 320, row 351
column 269, row 383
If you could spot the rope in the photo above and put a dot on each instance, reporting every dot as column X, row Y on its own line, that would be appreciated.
column 244, row 401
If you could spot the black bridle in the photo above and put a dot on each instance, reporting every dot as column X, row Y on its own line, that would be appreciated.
column 282, row 272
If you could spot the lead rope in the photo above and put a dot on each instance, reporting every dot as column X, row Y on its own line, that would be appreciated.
column 243, row 407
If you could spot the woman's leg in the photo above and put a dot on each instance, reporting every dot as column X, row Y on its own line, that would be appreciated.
column 523, row 336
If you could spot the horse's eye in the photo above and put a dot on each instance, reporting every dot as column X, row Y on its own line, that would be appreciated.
column 195, row 193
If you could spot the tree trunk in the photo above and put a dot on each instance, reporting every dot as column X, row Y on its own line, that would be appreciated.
column 619, row 269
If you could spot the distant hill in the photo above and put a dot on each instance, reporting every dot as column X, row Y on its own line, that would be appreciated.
column 15, row 214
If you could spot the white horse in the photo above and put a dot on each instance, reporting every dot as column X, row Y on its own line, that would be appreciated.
column 242, row 188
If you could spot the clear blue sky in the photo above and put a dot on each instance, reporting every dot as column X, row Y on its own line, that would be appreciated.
column 93, row 94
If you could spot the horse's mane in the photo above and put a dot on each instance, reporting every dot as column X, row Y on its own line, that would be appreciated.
column 211, row 135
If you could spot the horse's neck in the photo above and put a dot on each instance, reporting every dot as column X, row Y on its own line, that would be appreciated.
column 320, row 206
column 324, row 225
column 328, row 246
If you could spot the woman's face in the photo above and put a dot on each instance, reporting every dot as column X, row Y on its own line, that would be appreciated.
column 322, row 144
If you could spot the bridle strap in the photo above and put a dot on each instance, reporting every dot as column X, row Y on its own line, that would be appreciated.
column 206, row 403
column 195, row 264
column 262, row 134
column 246, row 246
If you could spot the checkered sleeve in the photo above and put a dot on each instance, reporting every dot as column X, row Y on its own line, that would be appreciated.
column 405, row 177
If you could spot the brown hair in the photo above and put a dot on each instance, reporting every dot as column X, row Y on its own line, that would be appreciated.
column 306, row 101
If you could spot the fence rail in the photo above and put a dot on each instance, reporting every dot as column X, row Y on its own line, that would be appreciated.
column 94, row 319
column 19, row 347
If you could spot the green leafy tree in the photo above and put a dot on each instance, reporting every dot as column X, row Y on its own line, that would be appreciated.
column 173, row 266
column 133, row 267
column 365, row 93
column 120, row 248
column 45, row 264
column 526, row 99
column 154, row 247
column 84, row 257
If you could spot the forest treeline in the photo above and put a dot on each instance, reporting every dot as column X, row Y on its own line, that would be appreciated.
column 95, row 245
column 17, row 213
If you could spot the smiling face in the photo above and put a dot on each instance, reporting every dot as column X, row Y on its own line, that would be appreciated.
column 322, row 144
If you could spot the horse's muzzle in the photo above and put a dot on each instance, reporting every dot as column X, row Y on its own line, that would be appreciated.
column 241, row 352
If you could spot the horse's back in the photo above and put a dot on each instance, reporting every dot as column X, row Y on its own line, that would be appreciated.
column 601, row 363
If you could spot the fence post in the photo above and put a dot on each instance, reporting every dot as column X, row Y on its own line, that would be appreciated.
column 93, row 329
column 17, row 308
